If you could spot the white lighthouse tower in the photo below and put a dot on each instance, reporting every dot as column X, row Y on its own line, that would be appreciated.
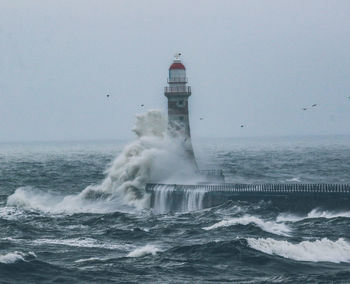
column 178, row 93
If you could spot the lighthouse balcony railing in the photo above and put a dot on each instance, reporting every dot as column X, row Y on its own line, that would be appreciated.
column 177, row 80
column 177, row 89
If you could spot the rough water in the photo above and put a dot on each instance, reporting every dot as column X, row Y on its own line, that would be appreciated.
column 77, row 212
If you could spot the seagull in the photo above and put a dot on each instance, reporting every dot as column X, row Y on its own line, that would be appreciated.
column 177, row 55
column 107, row 96
column 314, row 105
column 242, row 126
column 201, row 118
column 304, row 108
column 142, row 105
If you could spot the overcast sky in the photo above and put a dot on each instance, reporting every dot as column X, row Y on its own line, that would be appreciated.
column 256, row 63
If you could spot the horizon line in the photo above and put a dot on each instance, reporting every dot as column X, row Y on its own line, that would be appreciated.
column 195, row 138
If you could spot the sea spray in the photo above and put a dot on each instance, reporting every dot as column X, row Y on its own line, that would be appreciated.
column 154, row 156
column 145, row 250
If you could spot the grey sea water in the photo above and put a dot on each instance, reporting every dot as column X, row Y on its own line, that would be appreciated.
column 49, row 235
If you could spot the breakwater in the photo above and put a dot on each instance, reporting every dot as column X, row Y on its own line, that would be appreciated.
column 302, row 197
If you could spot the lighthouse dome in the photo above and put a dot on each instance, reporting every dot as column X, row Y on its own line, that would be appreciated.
column 177, row 65
column 177, row 70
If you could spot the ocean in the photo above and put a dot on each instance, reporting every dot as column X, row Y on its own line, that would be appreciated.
column 75, row 212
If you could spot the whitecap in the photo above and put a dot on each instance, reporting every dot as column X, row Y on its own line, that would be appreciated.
column 15, row 256
column 315, row 251
column 145, row 250
column 83, row 242
column 288, row 217
column 267, row 226
column 10, row 213
column 294, row 179
column 315, row 213
column 9, row 239
column 88, row 259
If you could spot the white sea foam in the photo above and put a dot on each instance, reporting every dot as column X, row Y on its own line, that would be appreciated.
column 9, row 239
column 15, row 256
column 287, row 217
column 73, row 227
column 315, row 251
column 10, row 213
column 153, row 156
column 84, row 243
column 294, row 179
column 315, row 213
column 88, row 259
column 11, row 257
column 268, row 226
column 145, row 250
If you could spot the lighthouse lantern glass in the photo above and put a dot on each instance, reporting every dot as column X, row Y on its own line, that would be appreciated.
column 177, row 73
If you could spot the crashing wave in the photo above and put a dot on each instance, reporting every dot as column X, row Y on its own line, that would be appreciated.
column 267, row 226
column 153, row 156
column 15, row 256
column 314, row 251
column 315, row 213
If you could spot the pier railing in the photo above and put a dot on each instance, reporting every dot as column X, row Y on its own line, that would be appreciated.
column 260, row 188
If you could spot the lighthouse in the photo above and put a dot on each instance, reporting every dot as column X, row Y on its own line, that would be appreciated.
column 178, row 93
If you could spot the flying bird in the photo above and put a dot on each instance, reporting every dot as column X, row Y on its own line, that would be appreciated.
column 142, row 105
column 107, row 96
column 201, row 118
column 314, row 105
column 304, row 108
column 242, row 126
